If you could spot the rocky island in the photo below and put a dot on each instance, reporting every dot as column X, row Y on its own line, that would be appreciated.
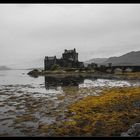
column 69, row 65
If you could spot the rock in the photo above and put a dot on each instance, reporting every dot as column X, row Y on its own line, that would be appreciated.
column 50, row 133
column 99, row 123
column 133, row 131
column 124, row 134
column 136, row 127
column 130, row 131
column 73, row 113
column 77, row 71
column 34, row 73
column 136, row 104
column 19, row 91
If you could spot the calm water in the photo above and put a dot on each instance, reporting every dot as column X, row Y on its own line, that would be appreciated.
column 27, row 103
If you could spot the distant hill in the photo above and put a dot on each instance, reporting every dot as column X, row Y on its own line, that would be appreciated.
column 96, row 60
column 4, row 68
column 131, row 58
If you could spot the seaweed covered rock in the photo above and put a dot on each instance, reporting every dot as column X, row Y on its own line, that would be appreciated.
column 109, row 114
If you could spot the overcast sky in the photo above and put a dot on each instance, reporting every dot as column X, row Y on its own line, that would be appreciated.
column 31, row 31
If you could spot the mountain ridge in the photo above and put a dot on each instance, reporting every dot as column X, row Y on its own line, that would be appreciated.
column 130, row 58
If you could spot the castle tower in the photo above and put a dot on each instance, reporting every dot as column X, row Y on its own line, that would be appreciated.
column 70, row 55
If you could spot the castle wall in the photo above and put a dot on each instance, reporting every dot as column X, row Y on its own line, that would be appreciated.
column 49, row 62
column 70, row 56
column 69, row 59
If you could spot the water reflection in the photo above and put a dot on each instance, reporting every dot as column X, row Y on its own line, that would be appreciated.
column 54, row 82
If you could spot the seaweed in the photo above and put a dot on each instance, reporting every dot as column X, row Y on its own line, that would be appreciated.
column 106, row 115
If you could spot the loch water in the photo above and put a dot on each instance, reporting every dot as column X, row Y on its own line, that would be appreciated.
column 26, row 103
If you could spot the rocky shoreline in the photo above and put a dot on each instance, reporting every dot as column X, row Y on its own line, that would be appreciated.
column 38, row 110
column 109, row 114
column 86, row 74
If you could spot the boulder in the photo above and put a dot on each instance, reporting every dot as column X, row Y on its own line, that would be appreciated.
column 34, row 72
column 124, row 134
column 136, row 127
column 133, row 131
column 136, row 104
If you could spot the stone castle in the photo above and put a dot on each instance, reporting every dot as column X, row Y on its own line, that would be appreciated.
column 69, row 59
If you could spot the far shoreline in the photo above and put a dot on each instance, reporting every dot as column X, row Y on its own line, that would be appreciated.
column 86, row 74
